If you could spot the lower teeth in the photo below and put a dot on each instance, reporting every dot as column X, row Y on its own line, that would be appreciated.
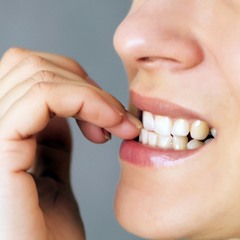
column 171, row 142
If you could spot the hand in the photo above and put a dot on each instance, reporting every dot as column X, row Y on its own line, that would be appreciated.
column 37, row 91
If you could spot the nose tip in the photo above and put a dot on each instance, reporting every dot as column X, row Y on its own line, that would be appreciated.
column 146, row 41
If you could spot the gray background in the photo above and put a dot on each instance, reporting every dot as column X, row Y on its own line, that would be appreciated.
column 83, row 30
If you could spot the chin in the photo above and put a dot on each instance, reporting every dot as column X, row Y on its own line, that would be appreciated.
column 151, row 213
column 150, row 205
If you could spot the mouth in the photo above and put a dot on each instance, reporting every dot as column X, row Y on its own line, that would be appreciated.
column 176, row 134
column 170, row 133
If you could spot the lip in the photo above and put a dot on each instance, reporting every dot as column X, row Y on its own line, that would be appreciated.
column 162, row 107
column 146, row 156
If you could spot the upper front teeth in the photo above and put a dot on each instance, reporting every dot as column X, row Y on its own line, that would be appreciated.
column 162, row 125
column 165, row 132
column 180, row 128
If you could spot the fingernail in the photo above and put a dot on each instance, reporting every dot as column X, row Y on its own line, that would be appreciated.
column 136, row 122
column 106, row 134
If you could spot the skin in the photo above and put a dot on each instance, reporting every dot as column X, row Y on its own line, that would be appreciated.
column 189, row 48
column 38, row 91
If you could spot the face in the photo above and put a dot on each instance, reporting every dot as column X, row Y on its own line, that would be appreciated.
column 182, row 178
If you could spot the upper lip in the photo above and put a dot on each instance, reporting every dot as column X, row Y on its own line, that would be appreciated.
column 162, row 107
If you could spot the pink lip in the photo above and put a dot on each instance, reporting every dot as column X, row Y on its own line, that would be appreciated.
column 146, row 156
column 162, row 107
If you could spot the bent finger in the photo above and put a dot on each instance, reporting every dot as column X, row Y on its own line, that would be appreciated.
column 94, row 133
column 33, row 65
column 13, row 56
column 36, row 107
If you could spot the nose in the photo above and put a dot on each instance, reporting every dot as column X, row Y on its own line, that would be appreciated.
column 158, row 35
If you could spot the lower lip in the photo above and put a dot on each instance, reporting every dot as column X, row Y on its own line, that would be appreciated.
column 146, row 156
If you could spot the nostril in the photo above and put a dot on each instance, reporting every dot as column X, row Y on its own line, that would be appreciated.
column 160, row 62
column 155, row 59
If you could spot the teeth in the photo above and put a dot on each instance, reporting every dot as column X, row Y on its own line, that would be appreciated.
column 199, row 130
column 213, row 132
column 193, row 144
column 148, row 121
column 181, row 128
column 179, row 134
column 180, row 143
column 144, row 136
column 208, row 140
column 152, row 139
column 163, row 125
column 165, row 142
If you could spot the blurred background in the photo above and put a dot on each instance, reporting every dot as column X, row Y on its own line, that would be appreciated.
column 83, row 30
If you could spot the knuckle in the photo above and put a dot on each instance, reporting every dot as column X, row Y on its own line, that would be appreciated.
column 44, row 76
column 89, row 95
column 35, row 62
column 76, row 67
column 43, row 82
column 13, row 52
column 73, row 62
column 41, row 89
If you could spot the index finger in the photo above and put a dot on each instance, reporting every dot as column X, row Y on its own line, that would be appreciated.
column 31, row 113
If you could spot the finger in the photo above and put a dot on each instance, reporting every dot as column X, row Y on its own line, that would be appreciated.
column 31, row 66
column 17, row 92
column 21, row 89
column 129, row 129
column 31, row 113
column 54, row 151
column 36, row 106
column 14, row 56
column 94, row 133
